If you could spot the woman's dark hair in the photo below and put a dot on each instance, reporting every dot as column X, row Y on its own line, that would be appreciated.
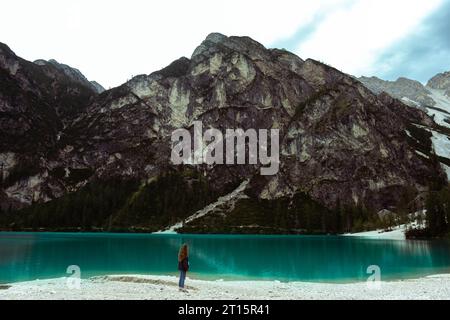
column 183, row 252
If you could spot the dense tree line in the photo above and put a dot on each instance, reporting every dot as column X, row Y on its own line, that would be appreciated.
column 130, row 205
column 85, row 209
column 298, row 215
column 438, row 212
column 437, row 217
column 170, row 198
column 119, row 205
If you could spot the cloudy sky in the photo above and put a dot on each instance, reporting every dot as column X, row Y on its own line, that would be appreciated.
column 112, row 40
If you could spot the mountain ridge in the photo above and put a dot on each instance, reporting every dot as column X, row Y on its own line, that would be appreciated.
column 433, row 98
column 341, row 146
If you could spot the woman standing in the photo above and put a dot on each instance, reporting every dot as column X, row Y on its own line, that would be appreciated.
column 183, row 265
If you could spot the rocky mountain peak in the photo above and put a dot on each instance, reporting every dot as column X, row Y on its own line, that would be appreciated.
column 434, row 99
column 98, row 87
column 339, row 142
column 410, row 91
column 37, row 101
column 216, row 37
column 176, row 69
column 402, row 81
column 8, row 60
column 5, row 51
column 441, row 81
column 236, row 82
column 218, row 42
column 72, row 73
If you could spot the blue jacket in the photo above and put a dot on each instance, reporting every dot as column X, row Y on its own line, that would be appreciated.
column 183, row 265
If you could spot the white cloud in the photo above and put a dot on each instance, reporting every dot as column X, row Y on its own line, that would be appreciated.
column 111, row 40
column 351, row 39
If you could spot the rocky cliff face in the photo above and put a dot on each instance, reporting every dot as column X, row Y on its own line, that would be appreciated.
column 409, row 91
column 441, row 81
column 340, row 143
column 63, row 72
column 434, row 99
column 37, row 101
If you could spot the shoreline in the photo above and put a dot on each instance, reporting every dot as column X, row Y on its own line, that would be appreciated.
column 396, row 233
column 148, row 287
column 368, row 234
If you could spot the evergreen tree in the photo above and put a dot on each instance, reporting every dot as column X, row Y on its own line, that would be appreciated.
column 438, row 211
column 1, row 174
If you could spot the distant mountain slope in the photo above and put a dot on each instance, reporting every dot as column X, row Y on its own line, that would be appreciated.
column 409, row 91
column 345, row 151
column 434, row 99
column 74, row 74
column 441, row 81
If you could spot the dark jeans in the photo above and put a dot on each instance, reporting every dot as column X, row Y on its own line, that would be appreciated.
column 182, row 278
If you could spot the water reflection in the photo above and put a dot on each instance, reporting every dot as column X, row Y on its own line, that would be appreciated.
column 31, row 256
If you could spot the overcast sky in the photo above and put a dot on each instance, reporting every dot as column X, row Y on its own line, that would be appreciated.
column 110, row 41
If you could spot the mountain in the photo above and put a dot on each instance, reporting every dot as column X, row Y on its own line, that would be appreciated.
column 434, row 99
column 37, row 101
column 441, row 81
column 97, row 87
column 407, row 90
column 345, row 152
column 54, row 69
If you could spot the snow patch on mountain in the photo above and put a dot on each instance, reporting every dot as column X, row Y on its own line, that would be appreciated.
column 410, row 102
column 441, row 118
column 422, row 154
column 432, row 98
column 441, row 144
column 447, row 170
column 442, row 102
column 441, row 99
column 201, row 213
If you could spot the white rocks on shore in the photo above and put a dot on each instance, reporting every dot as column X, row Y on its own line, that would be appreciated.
column 165, row 288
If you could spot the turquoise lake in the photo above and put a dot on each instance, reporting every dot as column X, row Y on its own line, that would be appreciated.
column 30, row 256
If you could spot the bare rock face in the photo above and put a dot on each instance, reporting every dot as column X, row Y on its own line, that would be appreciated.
column 37, row 101
column 324, row 116
column 433, row 98
column 97, row 87
column 441, row 81
column 55, row 69
column 409, row 91
column 339, row 142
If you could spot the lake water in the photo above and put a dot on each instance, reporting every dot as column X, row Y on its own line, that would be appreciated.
column 30, row 256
